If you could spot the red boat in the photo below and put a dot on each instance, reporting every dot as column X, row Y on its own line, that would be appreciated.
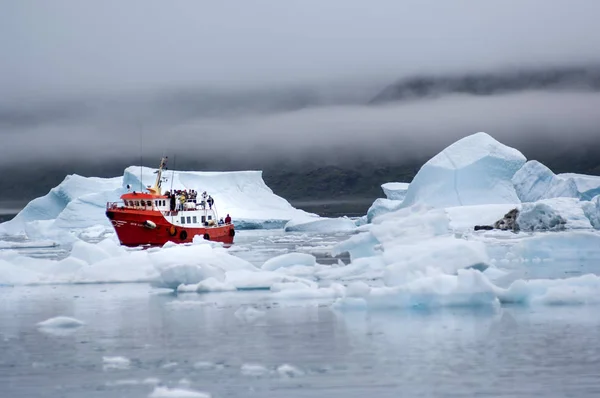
column 151, row 218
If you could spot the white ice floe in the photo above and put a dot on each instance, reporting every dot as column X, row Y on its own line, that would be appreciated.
column 288, row 370
column 115, row 363
column 61, row 322
column 166, row 392
column 254, row 370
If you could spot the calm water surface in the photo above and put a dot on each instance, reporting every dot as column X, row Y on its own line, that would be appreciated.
column 516, row 352
column 239, row 344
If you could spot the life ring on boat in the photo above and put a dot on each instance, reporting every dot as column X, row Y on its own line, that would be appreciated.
column 232, row 232
column 172, row 230
column 183, row 235
column 207, row 236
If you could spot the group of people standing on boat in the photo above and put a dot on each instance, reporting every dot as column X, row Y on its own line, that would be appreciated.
column 183, row 196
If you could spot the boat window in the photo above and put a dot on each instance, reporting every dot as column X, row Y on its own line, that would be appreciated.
column 183, row 220
column 210, row 217
column 194, row 219
column 163, row 203
column 189, row 220
column 137, row 203
column 203, row 219
column 149, row 203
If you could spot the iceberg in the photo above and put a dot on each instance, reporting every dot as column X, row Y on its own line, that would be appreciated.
column 474, row 170
column 78, row 203
column 588, row 186
column 395, row 190
column 426, row 253
column 556, row 214
column 534, row 182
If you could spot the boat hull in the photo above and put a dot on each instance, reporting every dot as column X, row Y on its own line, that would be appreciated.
column 151, row 228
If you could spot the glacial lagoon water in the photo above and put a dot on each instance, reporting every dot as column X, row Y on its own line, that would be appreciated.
column 137, row 341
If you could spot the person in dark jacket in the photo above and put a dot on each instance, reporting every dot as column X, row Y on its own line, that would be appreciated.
column 227, row 219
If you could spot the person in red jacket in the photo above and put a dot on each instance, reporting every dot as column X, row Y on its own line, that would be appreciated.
column 227, row 219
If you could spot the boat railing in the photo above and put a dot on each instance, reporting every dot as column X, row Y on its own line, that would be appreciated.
column 114, row 205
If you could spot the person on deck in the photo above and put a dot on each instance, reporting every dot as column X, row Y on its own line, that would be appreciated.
column 227, row 219
column 210, row 201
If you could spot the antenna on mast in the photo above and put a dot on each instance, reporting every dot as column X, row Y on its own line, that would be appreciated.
column 141, row 159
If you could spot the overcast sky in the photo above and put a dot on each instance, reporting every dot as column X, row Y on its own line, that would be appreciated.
column 76, row 49
column 58, row 45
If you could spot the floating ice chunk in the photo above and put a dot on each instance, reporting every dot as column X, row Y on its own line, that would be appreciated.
column 395, row 190
column 382, row 206
column 361, row 245
column 204, row 365
column 588, row 186
column 534, row 182
column 248, row 314
column 188, row 274
column 254, row 369
column 474, row 170
column 133, row 382
column 320, row 224
column 289, row 259
column 584, row 289
column 118, row 363
column 50, row 206
column 442, row 255
column 165, row 392
column 555, row 214
column 367, row 268
column 88, row 252
column 288, row 370
column 591, row 210
column 61, row 322
column 466, row 288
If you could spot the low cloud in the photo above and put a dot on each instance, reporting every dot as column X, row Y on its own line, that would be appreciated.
column 395, row 132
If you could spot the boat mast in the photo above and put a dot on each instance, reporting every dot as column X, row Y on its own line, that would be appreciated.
column 156, row 188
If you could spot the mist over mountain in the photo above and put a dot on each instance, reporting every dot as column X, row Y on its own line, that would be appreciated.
column 582, row 78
